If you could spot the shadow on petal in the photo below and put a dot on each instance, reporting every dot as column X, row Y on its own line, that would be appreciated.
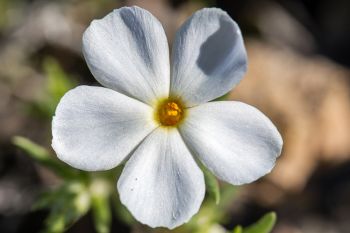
column 217, row 48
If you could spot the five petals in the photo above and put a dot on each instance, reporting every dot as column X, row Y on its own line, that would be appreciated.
column 97, row 128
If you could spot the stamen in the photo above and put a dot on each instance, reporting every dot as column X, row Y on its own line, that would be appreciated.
column 169, row 113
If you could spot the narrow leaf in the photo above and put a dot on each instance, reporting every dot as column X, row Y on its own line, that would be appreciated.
column 100, row 203
column 34, row 150
column 41, row 155
column 101, row 213
column 263, row 225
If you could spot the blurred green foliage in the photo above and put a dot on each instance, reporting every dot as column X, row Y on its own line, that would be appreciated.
column 7, row 7
column 212, row 185
column 101, row 208
column 67, row 204
column 74, row 198
column 57, row 84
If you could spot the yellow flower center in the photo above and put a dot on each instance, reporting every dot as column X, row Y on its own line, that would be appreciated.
column 169, row 112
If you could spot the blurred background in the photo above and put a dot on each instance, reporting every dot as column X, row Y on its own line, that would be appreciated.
column 298, row 75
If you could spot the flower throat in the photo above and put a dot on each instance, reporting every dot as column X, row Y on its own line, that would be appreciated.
column 169, row 112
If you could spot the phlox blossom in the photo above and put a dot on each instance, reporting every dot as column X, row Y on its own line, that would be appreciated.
column 156, row 113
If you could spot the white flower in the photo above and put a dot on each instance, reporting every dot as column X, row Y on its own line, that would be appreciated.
column 159, row 118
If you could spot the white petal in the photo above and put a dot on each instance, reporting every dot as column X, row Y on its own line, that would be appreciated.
column 209, row 57
column 95, row 128
column 235, row 141
column 128, row 51
column 161, row 184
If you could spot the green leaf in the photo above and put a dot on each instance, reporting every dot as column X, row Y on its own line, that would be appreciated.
column 100, row 204
column 41, row 155
column 212, row 185
column 102, row 214
column 238, row 229
column 37, row 152
column 263, row 225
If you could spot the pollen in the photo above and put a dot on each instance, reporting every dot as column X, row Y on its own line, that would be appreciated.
column 169, row 113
